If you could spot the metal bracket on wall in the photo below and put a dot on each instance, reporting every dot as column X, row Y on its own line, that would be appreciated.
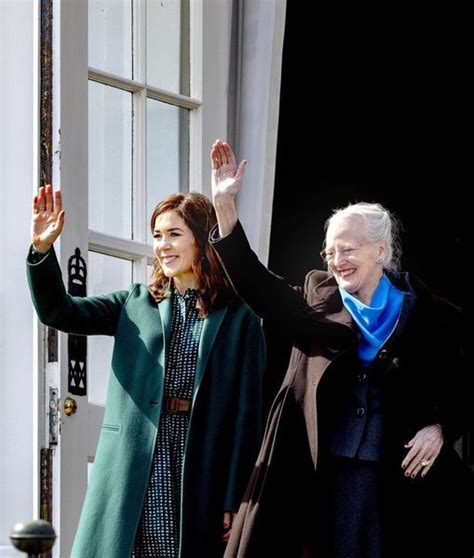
column 77, row 344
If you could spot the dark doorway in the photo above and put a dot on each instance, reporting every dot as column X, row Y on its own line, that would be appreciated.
column 372, row 109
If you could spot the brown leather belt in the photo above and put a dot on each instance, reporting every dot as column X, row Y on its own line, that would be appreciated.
column 175, row 405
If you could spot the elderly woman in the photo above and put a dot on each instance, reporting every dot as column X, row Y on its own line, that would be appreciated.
column 358, row 458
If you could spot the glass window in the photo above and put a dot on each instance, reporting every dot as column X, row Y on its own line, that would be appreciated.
column 167, row 152
column 106, row 274
column 167, row 45
column 110, row 160
column 110, row 36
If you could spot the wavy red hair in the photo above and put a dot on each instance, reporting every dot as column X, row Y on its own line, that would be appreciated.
column 197, row 212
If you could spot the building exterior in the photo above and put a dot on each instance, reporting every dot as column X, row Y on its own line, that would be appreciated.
column 116, row 102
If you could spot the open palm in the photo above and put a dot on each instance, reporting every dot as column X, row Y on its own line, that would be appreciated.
column 226, row 176
column 48, row 218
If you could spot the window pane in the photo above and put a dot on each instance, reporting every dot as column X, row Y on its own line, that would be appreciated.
column 168, row 45
column 167, row 152
column 106, row 275
column 110, row 160
column 110, row 36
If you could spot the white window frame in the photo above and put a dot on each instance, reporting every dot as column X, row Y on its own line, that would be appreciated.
column 137, row 250
column 71, row 76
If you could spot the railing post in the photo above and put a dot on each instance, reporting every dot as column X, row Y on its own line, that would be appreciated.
column 33, row 537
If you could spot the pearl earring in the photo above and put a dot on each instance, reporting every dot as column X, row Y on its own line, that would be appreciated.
column 379, row 260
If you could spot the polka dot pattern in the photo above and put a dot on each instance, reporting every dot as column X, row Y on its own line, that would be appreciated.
column 158, row 530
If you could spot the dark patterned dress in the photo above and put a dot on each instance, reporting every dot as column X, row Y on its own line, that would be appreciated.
column 159, row 527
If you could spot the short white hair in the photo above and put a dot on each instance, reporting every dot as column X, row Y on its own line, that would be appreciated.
column 380, row 223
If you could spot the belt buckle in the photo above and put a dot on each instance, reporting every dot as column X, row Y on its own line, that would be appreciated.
column 172, row 404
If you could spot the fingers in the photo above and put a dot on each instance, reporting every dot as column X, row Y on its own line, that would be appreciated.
column 215, row 162
column 215, row 154
column 241, row 170
column 227, row 524
column 58, row 201
column 222, row 154
column 420, row 464
column 412, row 461
column 44, row 202
column 228, row 153
column 415, row 470
column 424, row 449
column 49, row 198
column 228, row 520
column 426, row 468
column 413, row 457
column 59, row 224
column 41, row 200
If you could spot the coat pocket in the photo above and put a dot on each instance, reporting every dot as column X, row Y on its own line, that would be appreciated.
column 111, row 427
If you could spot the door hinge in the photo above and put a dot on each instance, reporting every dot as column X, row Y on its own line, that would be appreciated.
column 53, row 416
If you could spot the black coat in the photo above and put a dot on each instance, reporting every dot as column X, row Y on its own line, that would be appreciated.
column 423, row 381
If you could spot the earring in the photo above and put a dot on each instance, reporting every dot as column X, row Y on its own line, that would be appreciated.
column 379, row 260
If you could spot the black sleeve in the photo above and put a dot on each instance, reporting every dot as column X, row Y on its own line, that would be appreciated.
column 455, row 395
column 269, row 295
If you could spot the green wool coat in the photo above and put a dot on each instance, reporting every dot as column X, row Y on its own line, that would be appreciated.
column 224, row 432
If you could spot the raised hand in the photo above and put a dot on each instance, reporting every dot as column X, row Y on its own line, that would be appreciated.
column 47, row 220
column 226, row 181
column 226, row 176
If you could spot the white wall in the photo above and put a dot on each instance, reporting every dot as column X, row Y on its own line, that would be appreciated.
column 215, row 79
column 17, row 161
column 246, row 105
column 16, row 316
column 262, row 25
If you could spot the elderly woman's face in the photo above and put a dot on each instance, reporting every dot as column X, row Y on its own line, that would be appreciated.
column 353, row 259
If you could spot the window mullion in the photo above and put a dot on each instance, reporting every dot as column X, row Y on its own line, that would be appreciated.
column 197, row 160
column 140, row 222
column 139, row 40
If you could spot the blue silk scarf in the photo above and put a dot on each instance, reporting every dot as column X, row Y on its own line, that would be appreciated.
column 378, row 320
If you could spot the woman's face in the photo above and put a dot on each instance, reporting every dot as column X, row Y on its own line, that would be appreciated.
column 352, row 258
column 176, row 249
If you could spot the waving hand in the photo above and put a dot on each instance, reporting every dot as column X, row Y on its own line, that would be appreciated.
column 47, row 220
column 226, row 180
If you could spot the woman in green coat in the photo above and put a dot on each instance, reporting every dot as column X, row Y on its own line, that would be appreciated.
column 182, row 419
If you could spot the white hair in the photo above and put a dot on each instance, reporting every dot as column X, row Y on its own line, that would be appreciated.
column 380, row 225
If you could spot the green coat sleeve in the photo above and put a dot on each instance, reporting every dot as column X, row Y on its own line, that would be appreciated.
column 97, row 315
column 248, row 420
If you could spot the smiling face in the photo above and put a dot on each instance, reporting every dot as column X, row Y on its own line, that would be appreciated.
column 176, row 249
column 354, row 260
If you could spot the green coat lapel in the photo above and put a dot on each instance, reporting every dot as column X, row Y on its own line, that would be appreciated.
column 166, row 314
column 209, row 333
